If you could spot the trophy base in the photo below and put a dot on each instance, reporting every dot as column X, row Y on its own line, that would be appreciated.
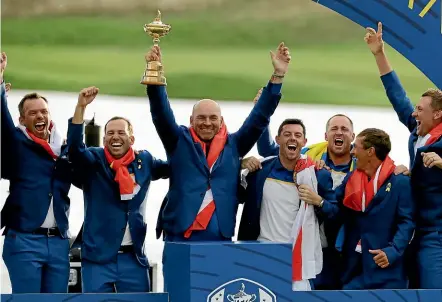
column 153, row 75
column 153, row 81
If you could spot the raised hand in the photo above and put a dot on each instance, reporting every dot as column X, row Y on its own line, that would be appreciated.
column 154, row 54
column 281, row 59
column 374, row 39
column 8, row 87
column 87, row 95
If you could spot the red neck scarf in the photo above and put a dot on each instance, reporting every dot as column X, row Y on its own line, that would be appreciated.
column 435, row 134
column 122, row 176
column 207, row 207
column 216, row 146
column 358, row 184
column 42, row 142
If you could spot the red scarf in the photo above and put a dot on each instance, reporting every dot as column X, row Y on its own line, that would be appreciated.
column 435, row 134
column 122, row 176
column 358, row 184
column 207, row 207
column 42, row 142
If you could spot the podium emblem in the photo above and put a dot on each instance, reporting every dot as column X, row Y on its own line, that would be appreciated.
column 241, row 290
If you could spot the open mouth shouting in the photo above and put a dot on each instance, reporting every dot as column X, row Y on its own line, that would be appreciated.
column 40, row 128
column 339, row 142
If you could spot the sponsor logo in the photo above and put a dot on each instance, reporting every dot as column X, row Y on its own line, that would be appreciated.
column 241, row 290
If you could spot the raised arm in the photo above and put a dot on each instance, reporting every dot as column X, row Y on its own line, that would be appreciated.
column 393, row 87
column 405, row 222
column 78, row 152
column 8, row 132
column 259, row 118
column 162, row 114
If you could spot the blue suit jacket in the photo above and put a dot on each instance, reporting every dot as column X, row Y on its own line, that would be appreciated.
column 190, row 175
column 106, row 215
column 35, row 178
column 426, row 182
column 249, row 227
column 387, row 224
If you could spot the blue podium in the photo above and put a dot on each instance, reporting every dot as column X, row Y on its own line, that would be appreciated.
column 227, row 271
column 136, row 297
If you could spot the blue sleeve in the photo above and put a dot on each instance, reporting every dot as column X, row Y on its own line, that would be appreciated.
column 259, row 119
column 405, row 222
column 330, row 208
column 160, row 169
column 7, row 124
column 399, row 99
column 79, row 154
column 162, row 117
column 266, row 144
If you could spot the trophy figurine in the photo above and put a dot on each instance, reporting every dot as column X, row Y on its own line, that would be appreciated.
column 154, row 74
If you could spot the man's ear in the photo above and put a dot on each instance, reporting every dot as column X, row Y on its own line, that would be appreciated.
column 277, row 139
column 21, row 120
column 132, row 139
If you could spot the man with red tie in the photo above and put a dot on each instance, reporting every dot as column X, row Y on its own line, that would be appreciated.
column 205, row 159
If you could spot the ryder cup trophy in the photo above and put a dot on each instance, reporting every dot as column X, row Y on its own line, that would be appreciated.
column 154, row 74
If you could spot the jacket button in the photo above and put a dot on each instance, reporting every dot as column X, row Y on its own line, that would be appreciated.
column 202, row 194
column 50, row 194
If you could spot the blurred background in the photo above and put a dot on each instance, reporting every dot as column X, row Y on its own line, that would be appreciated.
column 217, row 49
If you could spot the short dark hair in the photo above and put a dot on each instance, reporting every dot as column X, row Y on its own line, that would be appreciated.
column 115, row 118
column 378, row 139
column 336, row 115
column 29, row 96
column 291, row 121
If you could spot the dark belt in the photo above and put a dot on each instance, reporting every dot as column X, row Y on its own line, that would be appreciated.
column 126, row 249
column 48, row 232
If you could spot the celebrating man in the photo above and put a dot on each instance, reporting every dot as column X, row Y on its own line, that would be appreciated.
column 205, row 159
column 335, row 154
column 425, row 149
column 35, row 215
column 376, row 207
column 275, row 208
column 115, row 181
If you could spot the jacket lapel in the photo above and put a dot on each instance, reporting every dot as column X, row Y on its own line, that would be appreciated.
column 380, row 195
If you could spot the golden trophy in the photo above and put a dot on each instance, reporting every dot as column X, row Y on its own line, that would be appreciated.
column 154, row 74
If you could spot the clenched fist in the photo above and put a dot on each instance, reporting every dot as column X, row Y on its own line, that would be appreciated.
column 87, row 95
column 154, row 54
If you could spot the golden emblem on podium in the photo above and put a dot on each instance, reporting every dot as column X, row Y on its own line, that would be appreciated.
column 154, row 73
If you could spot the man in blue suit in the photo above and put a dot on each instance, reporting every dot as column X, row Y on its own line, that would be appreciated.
column 35, row 215
column 377, row 210
column 205, row 159
column 273, row 196
column 115, row 182
column 425, row 148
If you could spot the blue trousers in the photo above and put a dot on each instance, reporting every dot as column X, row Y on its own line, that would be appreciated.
column 429, row 259
column 124, row 275
column 36, row 263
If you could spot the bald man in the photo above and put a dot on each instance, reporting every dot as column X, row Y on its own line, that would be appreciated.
column 205, row 158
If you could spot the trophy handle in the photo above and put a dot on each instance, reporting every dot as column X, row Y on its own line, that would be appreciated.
column 253, row 298
column 230, row 298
